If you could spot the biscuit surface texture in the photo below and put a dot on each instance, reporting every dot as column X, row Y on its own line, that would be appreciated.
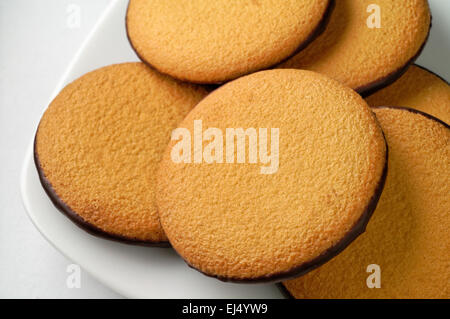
column 419, row 89
column 232, row 222
column 99, row 143
column 207, row 41
column 407, row 236
column 363, row 57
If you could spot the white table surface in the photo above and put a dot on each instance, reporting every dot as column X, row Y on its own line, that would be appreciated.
column 37, row 41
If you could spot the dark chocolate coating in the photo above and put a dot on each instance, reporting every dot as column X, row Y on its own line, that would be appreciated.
column 381, row 83
column 286, row 294
column 405, row 108
column 77, row 219
column 302, row 269
column 282, row 288
column 373, row 87
column 376, row 85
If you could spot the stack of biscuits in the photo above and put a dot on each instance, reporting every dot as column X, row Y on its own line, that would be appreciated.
column 266, row 141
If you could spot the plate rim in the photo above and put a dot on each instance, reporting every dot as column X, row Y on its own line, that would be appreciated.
column 27, row 172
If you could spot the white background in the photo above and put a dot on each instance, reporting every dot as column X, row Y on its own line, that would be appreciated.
column 36, row 45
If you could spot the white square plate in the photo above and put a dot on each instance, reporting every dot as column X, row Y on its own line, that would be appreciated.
column 143, row 272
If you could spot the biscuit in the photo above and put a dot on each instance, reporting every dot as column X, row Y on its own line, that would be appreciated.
column 419, row 89
column 362, row 57
column 209, row 42
column 99, row 143
column 234, row 220
column 407, row 236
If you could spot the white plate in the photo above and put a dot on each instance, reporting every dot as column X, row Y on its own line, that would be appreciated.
column 132, row 271
column 142, row 272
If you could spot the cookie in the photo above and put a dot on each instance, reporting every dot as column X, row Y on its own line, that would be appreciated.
column 98, row 146
column 354, row 51
column 405, row 249
column 270, row 176
column 206, row 42
column 419, row 89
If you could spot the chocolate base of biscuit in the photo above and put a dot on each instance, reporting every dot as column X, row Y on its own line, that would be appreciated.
column 77, row 219
column 371, row 88
column 409, row 109
column 321, row 26
column 286, row 293
column 357, row 229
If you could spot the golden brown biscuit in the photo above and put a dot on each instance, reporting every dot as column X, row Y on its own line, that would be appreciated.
column 99, row 143
column 362, row 57
column 262, row 218
column 205, row 41
column 419, row 89
column 407, row 236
